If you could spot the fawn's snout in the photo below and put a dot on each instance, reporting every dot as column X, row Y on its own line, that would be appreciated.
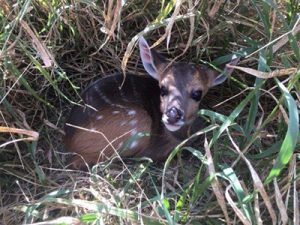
column 174, row 115
column 173, row 118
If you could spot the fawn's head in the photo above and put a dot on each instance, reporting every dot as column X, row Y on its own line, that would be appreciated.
column 182, row 85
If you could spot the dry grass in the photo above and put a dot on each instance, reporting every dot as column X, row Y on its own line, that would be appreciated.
column 246, row 173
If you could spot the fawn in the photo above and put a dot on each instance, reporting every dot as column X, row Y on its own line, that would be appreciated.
column 139, row 116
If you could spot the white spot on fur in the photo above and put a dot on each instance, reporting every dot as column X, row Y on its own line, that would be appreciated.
column 133, row 132
column 115, row 112
column 119, row 106
column 99, row 117
column 104, row 97
column 131, row 112
column 174, row 97
column 123, row 123
column 133, row 144
column 133, row 122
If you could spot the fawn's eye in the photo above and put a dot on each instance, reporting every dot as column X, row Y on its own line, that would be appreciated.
column 163, row 91
column 196, row 95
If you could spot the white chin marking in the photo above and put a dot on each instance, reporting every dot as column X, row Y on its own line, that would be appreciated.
column 172, row 127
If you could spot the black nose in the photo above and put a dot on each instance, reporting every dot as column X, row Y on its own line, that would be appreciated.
column 174, row 115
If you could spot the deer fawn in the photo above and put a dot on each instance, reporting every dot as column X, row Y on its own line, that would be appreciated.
column 156, row 111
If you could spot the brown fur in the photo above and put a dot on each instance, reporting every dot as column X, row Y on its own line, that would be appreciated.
column 99, row 139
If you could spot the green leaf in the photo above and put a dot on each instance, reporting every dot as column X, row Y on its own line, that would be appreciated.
column 217, row 116
column 10, row 66
column 229, row 174
column 266, row 153
column 102, row 208
column 294, row 45
column 165, row 10
column 166, row 203
column 250, row 122
column 290, row 140
column 263, row 11
column 234, row 114
column 89, row 217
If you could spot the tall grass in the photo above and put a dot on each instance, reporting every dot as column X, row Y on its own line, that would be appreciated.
column 246, row 171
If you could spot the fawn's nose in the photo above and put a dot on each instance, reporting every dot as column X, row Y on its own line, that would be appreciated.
column 174, row 115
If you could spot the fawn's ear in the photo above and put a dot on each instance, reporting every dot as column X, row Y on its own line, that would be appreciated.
column 215, row 78
column 153, row 62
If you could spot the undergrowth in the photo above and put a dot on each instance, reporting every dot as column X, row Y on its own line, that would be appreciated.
column 245, row 172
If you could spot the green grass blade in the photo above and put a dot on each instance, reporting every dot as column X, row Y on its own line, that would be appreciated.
column 10, row 66
column 295, row 46
column 263, row 11
column 290, row 140
column 226, row 58
column 179, row 147
column 45, row 73
column 135, row 176
column 234, row 114
column 33, row 207
column 219, row 117
column 266, row 153
column 105, row 209
column 229, row 174
column 249, row 126
column 165, row 10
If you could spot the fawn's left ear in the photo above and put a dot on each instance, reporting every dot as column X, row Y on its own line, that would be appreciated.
column 215, row 78
column 152, row 61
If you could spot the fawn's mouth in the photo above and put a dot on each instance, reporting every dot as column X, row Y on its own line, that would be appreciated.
column 172, row 126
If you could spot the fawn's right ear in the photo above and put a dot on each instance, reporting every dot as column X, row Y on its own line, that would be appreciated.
column 152, row 61
column 216, row 78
